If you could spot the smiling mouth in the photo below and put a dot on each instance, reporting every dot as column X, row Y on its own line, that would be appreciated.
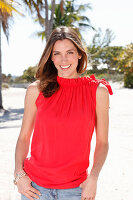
column 65, row 67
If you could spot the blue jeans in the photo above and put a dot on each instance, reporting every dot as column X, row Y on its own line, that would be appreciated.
column 56, row 194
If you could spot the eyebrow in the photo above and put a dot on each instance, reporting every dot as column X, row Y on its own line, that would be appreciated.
column 67, row 50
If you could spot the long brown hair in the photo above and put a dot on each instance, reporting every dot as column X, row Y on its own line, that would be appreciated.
column 47, row 72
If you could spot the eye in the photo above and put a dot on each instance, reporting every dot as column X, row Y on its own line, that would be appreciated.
column 56, row 54
column 70, row 52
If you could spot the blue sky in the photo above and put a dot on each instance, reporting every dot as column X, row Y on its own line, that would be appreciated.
column 25, row 50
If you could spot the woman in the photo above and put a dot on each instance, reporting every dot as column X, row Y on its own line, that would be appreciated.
column 62, row 108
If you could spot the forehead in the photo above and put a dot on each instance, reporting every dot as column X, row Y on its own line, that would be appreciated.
column 65, row 44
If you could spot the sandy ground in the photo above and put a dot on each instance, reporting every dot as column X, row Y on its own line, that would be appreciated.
column 116, row 178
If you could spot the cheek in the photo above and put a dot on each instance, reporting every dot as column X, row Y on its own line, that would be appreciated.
column 74, row 59
column 55, row 60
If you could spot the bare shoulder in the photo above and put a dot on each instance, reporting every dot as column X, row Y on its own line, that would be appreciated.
column 33, row 90
column 102, row 90
column 102, row 95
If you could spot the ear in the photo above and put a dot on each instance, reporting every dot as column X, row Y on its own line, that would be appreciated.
column 79, row 57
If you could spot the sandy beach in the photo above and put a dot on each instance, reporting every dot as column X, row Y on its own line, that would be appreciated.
column 116, row 178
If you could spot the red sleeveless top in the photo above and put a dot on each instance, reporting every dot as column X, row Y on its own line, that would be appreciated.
column 62, row 134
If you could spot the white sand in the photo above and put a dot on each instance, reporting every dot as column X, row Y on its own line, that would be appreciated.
column 116, row 178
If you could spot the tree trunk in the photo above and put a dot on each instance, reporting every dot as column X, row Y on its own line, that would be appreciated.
column 1, row 107
column 46, row 20
column 49, row 23
column 52, row 17
column 61, row 7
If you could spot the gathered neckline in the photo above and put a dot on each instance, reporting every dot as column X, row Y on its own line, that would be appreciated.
column 74, row 81
column 80, row 81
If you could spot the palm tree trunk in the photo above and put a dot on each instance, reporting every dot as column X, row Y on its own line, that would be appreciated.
column 52, row 17
column 61, row 7
column 49, row 23
column 1, row 107
column 46, row 20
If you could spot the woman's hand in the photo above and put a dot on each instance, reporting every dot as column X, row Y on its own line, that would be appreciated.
column 25, row 188
column 89, row 187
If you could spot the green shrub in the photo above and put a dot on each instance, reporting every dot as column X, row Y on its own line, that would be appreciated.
column 5, row 85
column 128, row 79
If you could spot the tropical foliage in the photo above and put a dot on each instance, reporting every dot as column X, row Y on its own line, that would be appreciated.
column 99, row 49
column 29, row 74
column 7, row 8
column 69, row 13
column 110, row 55
column 41, row 12
column 126, row 65
column 65, row 13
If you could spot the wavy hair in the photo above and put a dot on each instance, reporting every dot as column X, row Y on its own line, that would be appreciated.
column 46, row 71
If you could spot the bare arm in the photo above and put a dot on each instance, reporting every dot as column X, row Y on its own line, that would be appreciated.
column 101, row 149
column 101, row 127
column 23, row 141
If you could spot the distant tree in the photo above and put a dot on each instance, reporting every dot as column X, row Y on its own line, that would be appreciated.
column 29, row 74
column 110, row 55
column 126, row 58
column 7, row 78
column 19, row 79
column 99, row 45
column 126, row 65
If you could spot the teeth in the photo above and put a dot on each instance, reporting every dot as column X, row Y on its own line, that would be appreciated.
column 64, row 67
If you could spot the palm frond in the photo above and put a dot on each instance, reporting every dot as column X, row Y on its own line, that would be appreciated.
column 40, row 34
column 9, row 7
column 84, row 7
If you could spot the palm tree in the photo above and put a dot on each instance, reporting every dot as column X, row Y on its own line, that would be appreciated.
column 6, row 14
column 40, row 8
column 67, row 14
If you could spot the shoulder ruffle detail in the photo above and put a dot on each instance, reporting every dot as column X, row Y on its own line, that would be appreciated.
column 103, row 81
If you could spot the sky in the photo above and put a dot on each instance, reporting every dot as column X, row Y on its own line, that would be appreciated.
column 25, row 49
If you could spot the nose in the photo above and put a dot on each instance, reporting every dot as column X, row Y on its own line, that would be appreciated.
column 64, row 59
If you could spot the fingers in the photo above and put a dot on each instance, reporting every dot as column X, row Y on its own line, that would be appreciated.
column 34, row 190
column 29, row 194
column 32, row 194
column 88, row 198
column 25, row 188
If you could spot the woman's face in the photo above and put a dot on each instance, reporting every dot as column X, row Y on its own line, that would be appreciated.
column 65, row 58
